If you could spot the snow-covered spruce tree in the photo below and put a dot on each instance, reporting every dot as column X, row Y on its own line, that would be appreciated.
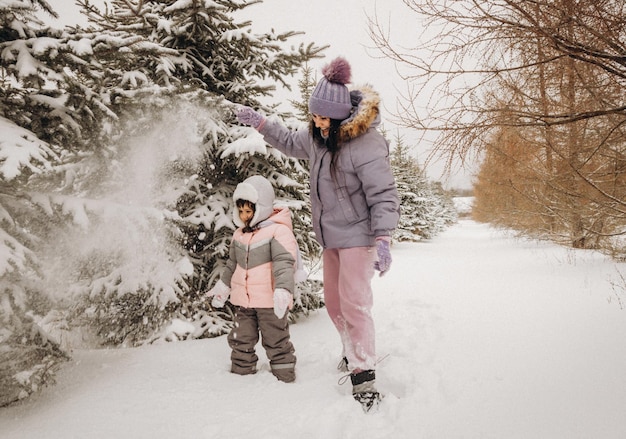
column 221, row 57
column 58, row 191
column 213, row 49
column 425, row 208
column 306, row 84
column 53, row 157
column 48, row 120
column 62, row 86
column 449, row 213
column 131, row 275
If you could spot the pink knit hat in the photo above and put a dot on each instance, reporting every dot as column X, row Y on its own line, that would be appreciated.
column 331, row 97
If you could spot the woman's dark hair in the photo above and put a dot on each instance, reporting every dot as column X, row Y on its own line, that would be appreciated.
column 332, row 142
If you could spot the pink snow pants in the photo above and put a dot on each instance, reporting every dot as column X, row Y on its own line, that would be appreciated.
column 348, row 273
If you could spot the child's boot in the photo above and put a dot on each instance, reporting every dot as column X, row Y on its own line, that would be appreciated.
column 284, row 372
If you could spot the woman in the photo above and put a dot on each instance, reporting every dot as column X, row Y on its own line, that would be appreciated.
column 354, row 203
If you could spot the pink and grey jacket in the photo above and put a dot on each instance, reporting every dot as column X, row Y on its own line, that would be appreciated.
column 264, row 259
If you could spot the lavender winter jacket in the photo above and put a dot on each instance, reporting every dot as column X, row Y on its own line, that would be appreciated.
column 362, row 203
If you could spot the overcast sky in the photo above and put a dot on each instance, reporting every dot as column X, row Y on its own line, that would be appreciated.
column 342, row 25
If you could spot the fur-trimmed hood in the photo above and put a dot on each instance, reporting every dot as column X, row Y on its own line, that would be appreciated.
column 365, row 114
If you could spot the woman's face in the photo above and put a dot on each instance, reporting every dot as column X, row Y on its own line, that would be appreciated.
column 323, row 123
column 245, row 213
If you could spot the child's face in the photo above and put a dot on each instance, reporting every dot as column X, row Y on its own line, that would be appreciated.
column 246, row 212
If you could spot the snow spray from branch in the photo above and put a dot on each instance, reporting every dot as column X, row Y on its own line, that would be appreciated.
column 122, row 242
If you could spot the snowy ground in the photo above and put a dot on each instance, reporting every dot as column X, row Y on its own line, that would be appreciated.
column 487, row 336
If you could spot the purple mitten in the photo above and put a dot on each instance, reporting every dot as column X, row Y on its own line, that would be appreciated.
column 384, row 256
column 248, row 116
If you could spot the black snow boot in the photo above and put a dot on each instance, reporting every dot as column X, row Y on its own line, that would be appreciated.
column 363, row 389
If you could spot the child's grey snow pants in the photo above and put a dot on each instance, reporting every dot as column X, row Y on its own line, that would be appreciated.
column 275, row 338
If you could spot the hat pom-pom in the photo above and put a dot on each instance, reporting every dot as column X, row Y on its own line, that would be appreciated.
column 337, row 71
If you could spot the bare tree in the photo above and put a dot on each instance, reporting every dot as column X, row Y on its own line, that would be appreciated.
column 550, row 74
column 466, row 47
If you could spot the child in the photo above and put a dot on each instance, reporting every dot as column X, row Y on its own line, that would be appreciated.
column 259, row 278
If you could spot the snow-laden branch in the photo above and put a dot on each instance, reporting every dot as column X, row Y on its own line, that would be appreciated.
column 20, row 149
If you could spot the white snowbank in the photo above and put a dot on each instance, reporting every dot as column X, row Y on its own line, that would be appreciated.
column 487, row 336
